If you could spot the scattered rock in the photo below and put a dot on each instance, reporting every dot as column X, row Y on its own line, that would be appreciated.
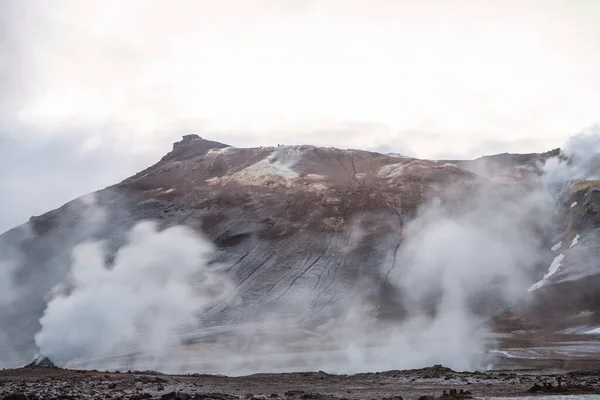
column 15, row 396
column 292, row 393
column 456, row 394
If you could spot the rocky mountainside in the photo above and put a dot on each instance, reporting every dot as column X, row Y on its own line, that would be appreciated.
column 302, row 231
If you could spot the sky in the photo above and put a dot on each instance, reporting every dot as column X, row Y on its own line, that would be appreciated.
column 94, row 91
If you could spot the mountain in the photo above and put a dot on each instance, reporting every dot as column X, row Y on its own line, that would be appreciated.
column 302, row 232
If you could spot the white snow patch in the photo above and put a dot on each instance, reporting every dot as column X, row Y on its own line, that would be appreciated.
column 556, row 246
column 573, row 204
column 575, row 241
column 595, row 331
column 169, row 191
column 554, row 267
column 451, row 165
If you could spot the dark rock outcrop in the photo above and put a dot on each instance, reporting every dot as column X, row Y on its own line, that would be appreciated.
column 41, row 362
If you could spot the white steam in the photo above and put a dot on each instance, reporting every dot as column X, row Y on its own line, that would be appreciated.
column 8, row 294
column 453, row 260
column 578, row 160
column 8, row 288
column 159, row 282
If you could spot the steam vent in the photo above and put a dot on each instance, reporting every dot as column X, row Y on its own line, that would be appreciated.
column 41, row 362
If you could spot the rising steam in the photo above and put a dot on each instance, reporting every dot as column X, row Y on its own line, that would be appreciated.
column 157, row 285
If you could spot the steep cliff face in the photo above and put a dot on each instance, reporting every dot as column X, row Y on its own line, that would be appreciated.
column 294, row 222
column 570, row 285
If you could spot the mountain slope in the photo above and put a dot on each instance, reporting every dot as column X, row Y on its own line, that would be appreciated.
column 301, row 232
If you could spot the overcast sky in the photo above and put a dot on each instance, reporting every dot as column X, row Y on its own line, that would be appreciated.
column 93, row 91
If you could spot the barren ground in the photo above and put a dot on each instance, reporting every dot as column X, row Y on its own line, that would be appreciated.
column 43, row 383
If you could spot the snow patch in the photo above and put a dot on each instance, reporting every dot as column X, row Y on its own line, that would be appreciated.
column 554, row 267
column 573, row 204
column 556, row 246
column 595, row 331
column 168, row 191
column 575, row 241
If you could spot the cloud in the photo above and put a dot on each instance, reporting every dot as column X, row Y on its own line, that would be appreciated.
column 43, row 174
column 93, row 92
column 464, row 73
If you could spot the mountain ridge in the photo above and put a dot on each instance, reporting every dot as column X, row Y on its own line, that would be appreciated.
column 289, row 222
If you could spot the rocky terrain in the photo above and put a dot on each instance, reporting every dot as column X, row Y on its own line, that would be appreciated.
column 302, row 232
column 426, row 384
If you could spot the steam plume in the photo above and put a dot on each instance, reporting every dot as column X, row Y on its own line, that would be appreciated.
column 158, row 283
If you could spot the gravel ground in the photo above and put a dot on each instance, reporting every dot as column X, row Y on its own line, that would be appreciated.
column 54, row 383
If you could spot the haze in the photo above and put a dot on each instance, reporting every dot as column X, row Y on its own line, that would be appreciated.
column 95, row 91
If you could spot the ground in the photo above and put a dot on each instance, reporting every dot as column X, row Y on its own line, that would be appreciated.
column 47, row 383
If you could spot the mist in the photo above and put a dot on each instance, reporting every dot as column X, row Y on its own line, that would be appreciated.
column 158, row 283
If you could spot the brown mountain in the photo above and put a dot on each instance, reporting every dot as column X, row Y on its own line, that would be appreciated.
column 293, row 219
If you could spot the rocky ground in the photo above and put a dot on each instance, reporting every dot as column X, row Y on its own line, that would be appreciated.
column 435, row 382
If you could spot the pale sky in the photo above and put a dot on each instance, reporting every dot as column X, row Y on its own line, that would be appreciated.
column 95, row 90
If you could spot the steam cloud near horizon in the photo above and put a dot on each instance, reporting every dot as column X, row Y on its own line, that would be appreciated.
column 160, row 281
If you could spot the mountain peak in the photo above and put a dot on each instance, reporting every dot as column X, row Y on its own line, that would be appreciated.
column 193, row 145
column 187, row 139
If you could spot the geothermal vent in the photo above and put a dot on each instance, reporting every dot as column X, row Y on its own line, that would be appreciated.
column 41, row 362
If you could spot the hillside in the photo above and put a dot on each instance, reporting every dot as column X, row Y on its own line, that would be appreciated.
column 303, row 248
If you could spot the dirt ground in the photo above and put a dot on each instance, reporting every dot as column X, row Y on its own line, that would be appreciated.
column 54, row 383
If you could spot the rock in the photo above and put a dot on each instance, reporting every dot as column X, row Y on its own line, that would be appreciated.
column 15, row 396
column 214, row 396
column 41, row 362
column 292, row 393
